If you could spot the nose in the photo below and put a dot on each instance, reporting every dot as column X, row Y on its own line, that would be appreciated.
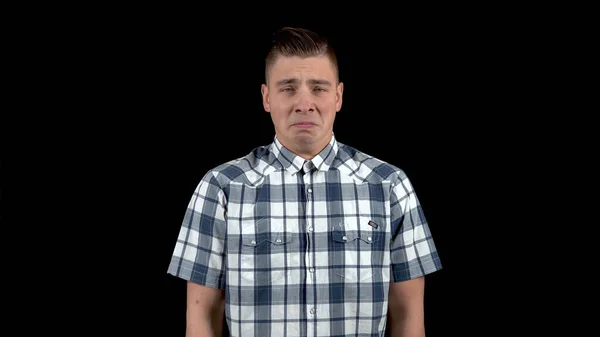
column 305, row 102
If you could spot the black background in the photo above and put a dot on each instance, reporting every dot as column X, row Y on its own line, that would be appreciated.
column 124, row 110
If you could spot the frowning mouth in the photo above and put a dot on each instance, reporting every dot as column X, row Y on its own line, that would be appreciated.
column 304, row 125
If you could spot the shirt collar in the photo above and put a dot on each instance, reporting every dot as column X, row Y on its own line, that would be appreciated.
column 293, row 163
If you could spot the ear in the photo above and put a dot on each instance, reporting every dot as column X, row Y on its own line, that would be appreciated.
column 338, row 96
column 264, row 89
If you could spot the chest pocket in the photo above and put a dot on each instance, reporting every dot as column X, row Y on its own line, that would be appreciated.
column 263, row 256
column 357, row 251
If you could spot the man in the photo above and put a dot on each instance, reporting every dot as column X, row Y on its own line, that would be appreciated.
column 306, row 236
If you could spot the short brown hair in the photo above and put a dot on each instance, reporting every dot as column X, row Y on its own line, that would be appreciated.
column 289, row 41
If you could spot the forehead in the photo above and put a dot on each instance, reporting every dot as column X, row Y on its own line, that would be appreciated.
column 297, row 67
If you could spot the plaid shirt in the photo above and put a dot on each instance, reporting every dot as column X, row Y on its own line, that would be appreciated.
column 304, row 248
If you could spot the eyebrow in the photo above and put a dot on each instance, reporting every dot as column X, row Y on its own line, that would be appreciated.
column 287, row 81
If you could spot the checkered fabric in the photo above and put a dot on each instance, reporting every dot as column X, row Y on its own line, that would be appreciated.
column 304, row 248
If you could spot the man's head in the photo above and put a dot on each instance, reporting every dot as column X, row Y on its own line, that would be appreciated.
column 302, row 90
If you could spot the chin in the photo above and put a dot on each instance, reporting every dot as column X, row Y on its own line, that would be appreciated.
column 305, row 138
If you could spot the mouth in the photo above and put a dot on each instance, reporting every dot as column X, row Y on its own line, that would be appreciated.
column 304, row 125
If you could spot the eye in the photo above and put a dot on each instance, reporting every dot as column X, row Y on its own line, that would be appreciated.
column 288, row 89
column 319, row 89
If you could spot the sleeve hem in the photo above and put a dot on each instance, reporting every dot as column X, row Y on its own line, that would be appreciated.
column 416, row 268
column 211, row 280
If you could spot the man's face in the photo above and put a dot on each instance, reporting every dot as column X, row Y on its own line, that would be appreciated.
column 303, row 97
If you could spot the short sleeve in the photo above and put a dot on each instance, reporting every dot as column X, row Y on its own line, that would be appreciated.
column 412, row 249
column 199, row 254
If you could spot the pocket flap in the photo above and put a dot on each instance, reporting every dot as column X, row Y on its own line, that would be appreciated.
column 345, row 236
column 266, row 238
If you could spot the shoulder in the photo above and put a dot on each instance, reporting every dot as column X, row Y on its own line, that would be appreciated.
column 248, row 169
column 367, row 168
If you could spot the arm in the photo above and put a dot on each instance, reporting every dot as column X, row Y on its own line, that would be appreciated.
column 405, row 315
column 199, row 257
column 205, row 311
column 413, row 255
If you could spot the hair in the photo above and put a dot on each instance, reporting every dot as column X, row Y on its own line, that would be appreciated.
column 289, row 41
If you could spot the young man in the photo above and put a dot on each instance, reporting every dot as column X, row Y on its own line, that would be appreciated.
column 305, row 236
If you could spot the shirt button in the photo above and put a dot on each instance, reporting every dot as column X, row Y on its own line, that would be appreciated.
column 344, row 238
column 310, row 190
column 312, row 311
column 312, row 270
column 279, row 240
column 253, row 242
column 310, row 229
column 369, row 238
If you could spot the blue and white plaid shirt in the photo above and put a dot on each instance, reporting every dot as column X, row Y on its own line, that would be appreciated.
column 304, row 248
